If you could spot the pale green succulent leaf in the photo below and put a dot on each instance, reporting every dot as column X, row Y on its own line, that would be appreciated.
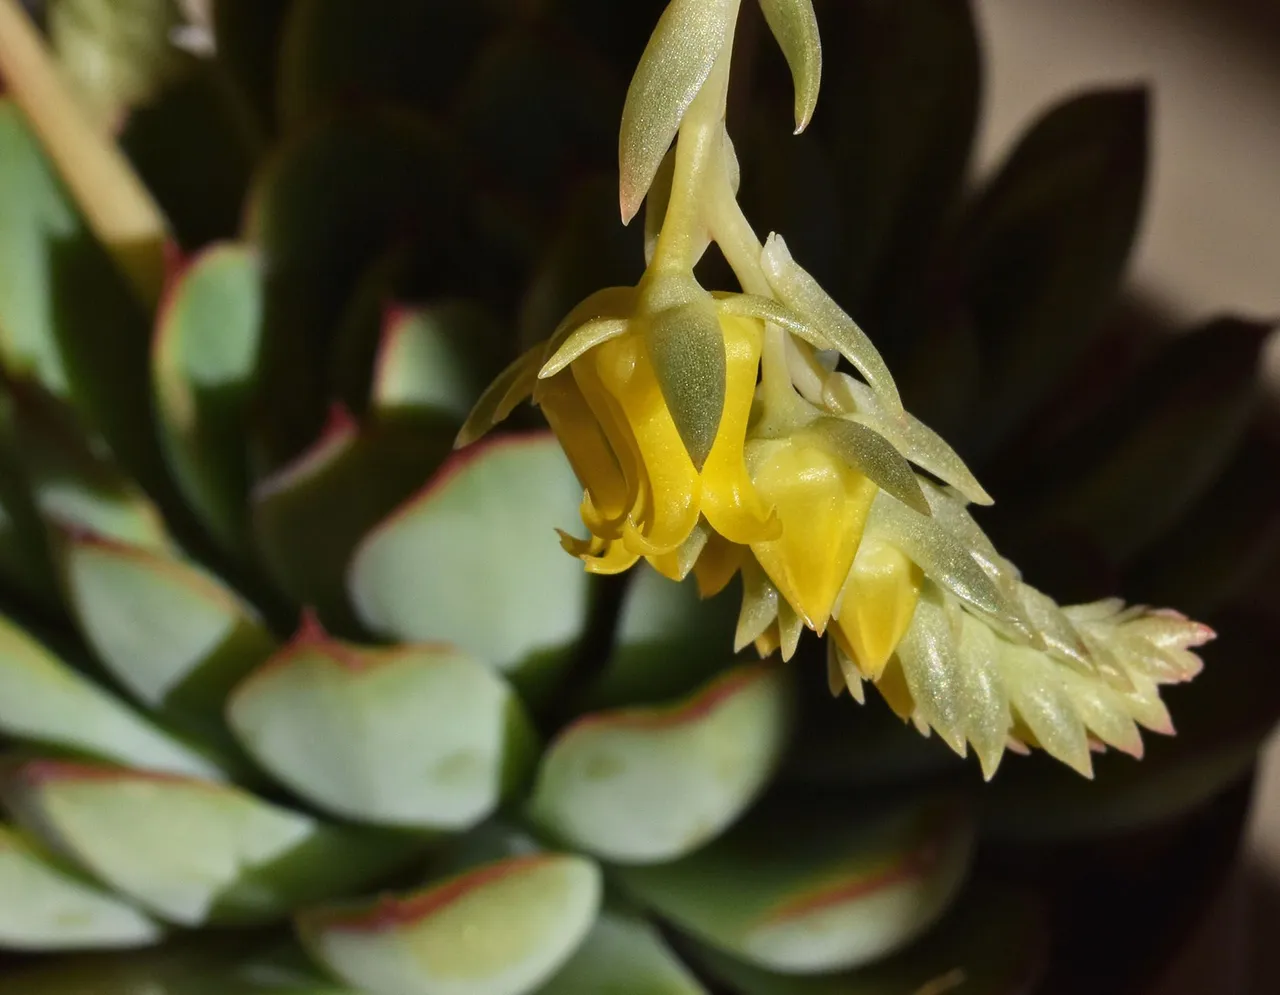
column 500, row 929
column 678, row 60
column 993, row 943
column 429, row 360
column 623, row 952
column 511, row 597
column 206, row 853
column 418, row 737
column 72, row 483
column 803, row 893
column 801, row 293
column 68, row 320
column 668, row 641
column 169, row 631
column 45, row 701
column 43, row 907
column 310, row 516
column 647, row 785
column 204, row 371
column 795, row 25
column 582, row 340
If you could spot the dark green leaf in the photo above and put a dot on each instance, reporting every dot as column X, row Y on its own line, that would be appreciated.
column 1044, row 247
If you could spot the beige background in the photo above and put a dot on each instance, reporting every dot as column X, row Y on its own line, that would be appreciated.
column 1211, row 238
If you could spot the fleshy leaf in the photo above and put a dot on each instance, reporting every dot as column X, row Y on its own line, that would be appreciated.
column 205, row 968
column 413, row 736
column 803, row 893
column 45, row 701
column 310, row 517
column 1058, row 221
column 676, row 63
column 44, row 907
column 901, row 109
column 72, row 485
column 70, row 322
column 206, row 853
column 166, row 629
column 623, row 953
column 795, row 26
column 399, row 52
column 434, row 360
column 649, row 785
column 500, row 929
column 668, row 641
column 473, row 559
column 993, row 943
column 204, row 369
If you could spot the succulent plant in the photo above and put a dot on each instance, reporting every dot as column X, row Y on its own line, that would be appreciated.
column 300, row 700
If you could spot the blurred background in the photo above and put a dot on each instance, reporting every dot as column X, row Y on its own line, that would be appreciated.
column 1211, row 235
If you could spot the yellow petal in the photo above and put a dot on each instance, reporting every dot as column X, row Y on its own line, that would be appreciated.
column 589, row 453
column 892, row 686
column 622, row 442
column 673, row 486
column 876, row 606
column 767, row 643
column 822, row 504
column 719, row 561
column 601, row 556
column 729, row 500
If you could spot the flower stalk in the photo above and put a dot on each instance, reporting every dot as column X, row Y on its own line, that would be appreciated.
column 757, row 431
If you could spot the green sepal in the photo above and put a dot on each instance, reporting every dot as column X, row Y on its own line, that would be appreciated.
column 803, row 892
column 649, row 785
column 165, row 628
column 206, row 853
column 686, row 347
column 419, row 737
column 473, row 560
column 499, row 929
column 45, row 906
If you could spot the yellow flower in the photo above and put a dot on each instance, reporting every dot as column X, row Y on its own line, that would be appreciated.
column 876, row 606
column 643, row 494
column 822, row 504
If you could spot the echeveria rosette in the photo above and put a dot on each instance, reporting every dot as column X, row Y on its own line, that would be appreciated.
column 716, row 433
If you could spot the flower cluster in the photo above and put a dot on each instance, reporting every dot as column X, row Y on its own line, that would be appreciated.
column 760, row 433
